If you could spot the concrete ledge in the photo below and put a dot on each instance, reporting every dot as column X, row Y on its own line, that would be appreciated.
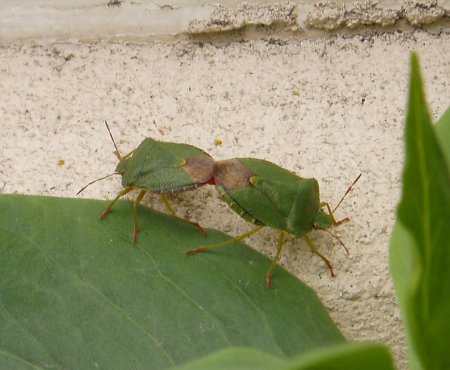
column 335, row 15
column 140, row 20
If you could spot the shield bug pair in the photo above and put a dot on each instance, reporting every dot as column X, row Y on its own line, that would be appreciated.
column 162, row 168
column 267, row 195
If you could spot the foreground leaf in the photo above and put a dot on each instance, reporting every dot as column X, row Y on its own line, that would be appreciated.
column 236, row 359
column 420, row 245
column 367, row 356
column 443, row 134
column 76, row 293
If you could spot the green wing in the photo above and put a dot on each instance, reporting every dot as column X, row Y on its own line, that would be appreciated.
column 232, row 202
column 254, row 205
column 158, row 166
column 278, row 198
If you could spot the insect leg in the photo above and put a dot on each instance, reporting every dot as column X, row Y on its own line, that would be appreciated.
column 190, row 252
column 168, row 206
column 173, row 214
column 330, row 213
column 276, row 259
column 135, row 214
column 314, row 250
column 108, row 209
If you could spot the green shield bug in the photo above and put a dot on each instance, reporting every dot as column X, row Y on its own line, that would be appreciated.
column 267, row 195
column 162, row 168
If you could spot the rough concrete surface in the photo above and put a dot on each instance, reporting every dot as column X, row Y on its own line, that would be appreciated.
column 164, row 19
column 330, row 108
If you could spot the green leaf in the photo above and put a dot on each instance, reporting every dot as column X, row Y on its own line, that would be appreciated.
column 76, row 293
column 236, row 359
column 367, row 356
column 420, row 245
column 443, row 134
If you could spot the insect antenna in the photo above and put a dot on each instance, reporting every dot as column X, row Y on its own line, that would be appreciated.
column 117, row 152
column 94, row 181
column 337, row 238
column 348, row 191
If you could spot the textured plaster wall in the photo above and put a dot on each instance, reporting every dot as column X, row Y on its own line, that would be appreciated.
column 329, row 106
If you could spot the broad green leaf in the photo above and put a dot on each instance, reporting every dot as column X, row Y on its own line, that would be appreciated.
column 420, row 246
column 76, row 293
column 367, row 356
